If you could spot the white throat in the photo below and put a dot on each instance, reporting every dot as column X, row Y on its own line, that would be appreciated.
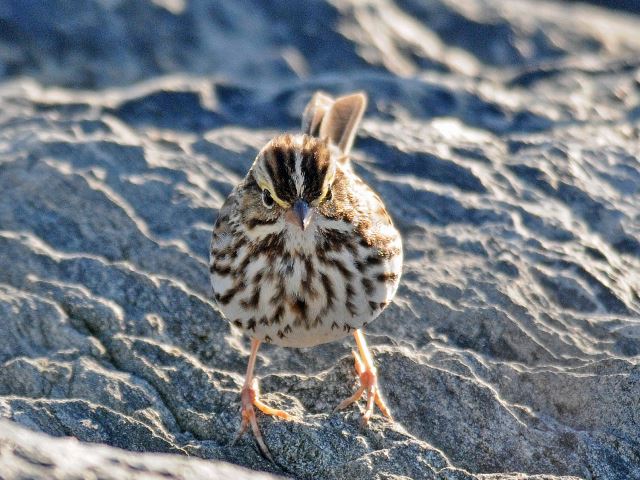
column 301, row 241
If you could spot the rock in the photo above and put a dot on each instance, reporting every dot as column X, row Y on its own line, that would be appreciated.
column 505, row 146
column 22, row 456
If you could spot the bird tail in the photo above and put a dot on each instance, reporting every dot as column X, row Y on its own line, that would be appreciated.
column 336, row 119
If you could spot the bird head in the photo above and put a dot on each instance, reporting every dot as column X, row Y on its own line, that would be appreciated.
column 290, row 179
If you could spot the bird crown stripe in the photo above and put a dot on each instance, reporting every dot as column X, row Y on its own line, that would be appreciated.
column 297, row 167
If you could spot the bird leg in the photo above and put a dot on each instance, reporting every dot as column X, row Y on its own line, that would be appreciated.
column 368, row 381
column 249, row 396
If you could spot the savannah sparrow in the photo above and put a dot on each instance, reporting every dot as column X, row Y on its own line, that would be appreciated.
column 303, row 251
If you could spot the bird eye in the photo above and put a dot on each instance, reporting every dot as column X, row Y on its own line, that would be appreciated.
column 266, row 199
column 329, row 195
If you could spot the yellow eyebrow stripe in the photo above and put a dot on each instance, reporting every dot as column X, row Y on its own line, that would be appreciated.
column 278, row 200
column 325, row 187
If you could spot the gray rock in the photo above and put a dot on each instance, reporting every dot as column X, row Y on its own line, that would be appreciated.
column 22, row 456
column 506, row 148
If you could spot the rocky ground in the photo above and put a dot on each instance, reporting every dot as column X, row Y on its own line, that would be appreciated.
column 504, row 136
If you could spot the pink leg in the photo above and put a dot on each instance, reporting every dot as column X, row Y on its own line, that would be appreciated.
column 249, row 399
column 368, row 381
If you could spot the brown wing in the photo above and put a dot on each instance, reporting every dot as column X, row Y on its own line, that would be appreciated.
column 223, row 229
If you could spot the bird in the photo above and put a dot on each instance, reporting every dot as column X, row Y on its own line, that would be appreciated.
column 304, row 252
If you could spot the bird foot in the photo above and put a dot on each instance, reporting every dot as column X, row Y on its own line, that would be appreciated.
column 249, row 399
column 369, row 385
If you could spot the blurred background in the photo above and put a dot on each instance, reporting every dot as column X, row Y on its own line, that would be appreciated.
column 104, row 43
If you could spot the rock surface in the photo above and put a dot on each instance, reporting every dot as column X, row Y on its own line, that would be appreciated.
column 504, row 136
column 26, row 454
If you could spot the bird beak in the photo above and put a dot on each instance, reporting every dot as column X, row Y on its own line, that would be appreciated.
column 300, row 214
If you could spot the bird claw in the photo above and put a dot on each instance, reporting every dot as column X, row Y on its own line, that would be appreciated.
column 368, row 385
column 249, row 399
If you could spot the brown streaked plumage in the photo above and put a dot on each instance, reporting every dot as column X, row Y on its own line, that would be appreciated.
column 303, row 251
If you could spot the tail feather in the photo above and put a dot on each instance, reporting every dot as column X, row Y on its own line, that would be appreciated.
column 336, row 119
column 315, row 112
